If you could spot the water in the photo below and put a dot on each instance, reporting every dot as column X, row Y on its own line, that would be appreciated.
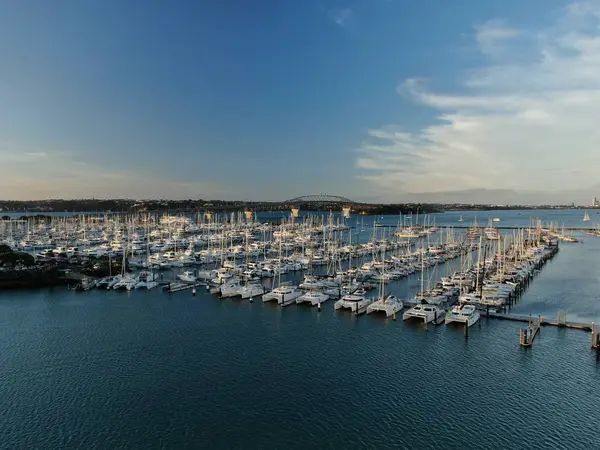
column 151, row 370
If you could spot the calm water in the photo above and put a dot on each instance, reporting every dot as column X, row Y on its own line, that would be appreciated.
column 148, row 370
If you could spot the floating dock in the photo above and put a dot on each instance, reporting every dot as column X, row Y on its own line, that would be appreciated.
column 176, row 287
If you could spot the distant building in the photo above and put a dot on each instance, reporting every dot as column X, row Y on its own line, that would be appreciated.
column 596, row 202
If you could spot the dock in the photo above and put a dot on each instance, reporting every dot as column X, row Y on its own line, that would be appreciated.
column 543, row 321
column 528, row 335
column 176, row 287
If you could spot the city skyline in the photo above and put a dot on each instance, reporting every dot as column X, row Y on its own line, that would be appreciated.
column 375, row 101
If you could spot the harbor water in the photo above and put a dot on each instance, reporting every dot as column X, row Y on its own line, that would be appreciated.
column 145, row 370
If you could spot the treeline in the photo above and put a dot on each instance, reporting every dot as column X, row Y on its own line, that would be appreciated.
column 38, row 208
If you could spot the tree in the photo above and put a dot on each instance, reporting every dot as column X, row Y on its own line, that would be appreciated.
column 14, row 258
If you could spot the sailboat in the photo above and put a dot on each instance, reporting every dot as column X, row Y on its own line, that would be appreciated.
column 460, row 219
column 389, row 305
column 586, row 217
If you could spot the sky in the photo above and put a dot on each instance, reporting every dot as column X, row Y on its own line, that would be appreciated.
column 374, row 100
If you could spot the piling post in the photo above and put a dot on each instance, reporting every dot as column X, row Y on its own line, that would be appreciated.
column 521, row 336
column 250, row 299
column 207, row 287
column 467, row 328
column 193, row 292
column 319, row 306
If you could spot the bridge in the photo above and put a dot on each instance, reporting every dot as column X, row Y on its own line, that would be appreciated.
column 321, row 199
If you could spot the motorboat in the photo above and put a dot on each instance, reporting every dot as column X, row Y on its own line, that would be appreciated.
column 231, row 288
column 314, row 298
column 251, row 290
column 284, row 294
column 355, row 302
column 464, row 313
column 188, row 276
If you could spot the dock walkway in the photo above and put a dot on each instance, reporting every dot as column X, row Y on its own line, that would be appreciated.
column 544, row 321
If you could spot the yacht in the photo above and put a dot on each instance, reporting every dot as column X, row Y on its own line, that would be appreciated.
column 389, row 305
column 231, row 288
column 126, row 282
column 146, row 280
column 464, row 313
column 284, row 294
column 424, row 312
column 314, row 298
column 188, row 276
column 251, row 290
column 355, row 302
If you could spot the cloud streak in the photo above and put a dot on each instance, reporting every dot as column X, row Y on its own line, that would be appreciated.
column 531, row 108
column 44, row 175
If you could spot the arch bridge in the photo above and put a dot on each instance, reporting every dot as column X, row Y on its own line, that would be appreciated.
column 322, row 199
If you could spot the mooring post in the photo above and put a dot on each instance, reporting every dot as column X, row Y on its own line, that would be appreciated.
column 467, row 328
column 193, row 292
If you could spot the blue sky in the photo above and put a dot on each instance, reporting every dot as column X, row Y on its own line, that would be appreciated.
column 369, row 99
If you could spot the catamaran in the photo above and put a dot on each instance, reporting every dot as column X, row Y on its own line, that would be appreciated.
column 355, row 302
column 464, row 313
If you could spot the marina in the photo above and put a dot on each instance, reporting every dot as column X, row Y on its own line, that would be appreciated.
column 329, row 346
column 238, row 256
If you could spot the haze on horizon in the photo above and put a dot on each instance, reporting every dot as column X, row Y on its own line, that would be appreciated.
column 380, row 100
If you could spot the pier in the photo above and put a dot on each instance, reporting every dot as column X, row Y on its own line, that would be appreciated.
column 528, row 335
column 543, row 321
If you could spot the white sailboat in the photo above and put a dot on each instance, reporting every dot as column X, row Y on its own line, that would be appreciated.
column 390, row 304
column 586, row 217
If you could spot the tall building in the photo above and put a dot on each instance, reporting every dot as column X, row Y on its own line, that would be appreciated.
column 595, row 202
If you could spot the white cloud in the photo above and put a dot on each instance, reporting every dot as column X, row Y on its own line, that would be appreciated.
column 491, row 37
column 10, row 155
column 342, row 16
column 514, row 121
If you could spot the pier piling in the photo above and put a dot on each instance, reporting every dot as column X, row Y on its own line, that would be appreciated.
column 595, row 337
